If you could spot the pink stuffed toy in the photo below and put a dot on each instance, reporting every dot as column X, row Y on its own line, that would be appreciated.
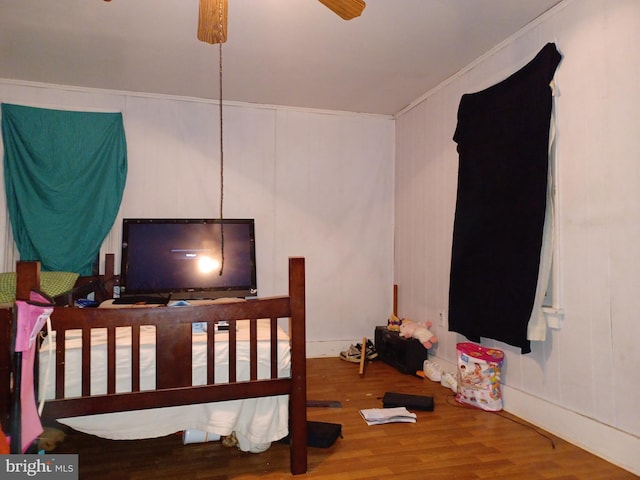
column 420, row 331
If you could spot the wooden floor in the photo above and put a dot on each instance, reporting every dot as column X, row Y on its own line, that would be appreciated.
column 453, row 441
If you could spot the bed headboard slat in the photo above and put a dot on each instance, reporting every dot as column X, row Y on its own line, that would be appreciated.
column 111, row 360
column 173, row 354
column 60, row 362
column 274, row 347
column 135, row 358
column 233, row 352
column 86, row 363
column 211, row 354
column 253, row 349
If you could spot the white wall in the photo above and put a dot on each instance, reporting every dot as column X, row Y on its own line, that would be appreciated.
column 319, row 184
column 582, row 383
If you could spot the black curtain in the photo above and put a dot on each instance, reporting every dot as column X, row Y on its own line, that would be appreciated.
column 503, row 146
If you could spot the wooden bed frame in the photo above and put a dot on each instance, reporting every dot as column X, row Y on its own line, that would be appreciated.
column 173, row 355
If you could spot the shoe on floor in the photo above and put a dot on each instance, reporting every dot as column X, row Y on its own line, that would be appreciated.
column 432, row 371
column 370, row 352
column 449, row 381
column 351, row 355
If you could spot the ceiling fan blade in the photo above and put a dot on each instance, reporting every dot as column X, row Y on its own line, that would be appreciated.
column 212, row 21
column 346, row 9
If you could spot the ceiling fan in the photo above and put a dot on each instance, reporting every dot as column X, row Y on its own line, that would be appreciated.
column 212, row 18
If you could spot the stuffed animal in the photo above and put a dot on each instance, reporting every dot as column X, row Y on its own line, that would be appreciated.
column 393, row 323
column 420, row 331
column 50, row 438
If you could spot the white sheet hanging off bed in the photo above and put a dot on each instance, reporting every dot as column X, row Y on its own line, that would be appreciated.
column 256, row 421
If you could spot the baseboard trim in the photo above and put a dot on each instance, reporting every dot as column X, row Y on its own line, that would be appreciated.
column 615, row 446
column 330, row 348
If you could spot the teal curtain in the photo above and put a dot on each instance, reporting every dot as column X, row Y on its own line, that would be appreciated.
column 64, row 174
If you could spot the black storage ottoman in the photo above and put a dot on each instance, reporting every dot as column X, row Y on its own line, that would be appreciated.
column 405, row 354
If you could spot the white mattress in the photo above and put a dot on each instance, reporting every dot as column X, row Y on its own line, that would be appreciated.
column 256, row 421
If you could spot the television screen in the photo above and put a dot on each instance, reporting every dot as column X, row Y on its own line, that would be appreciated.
column 188, row 258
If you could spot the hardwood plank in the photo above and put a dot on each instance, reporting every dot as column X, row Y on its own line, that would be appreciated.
column 452, row 442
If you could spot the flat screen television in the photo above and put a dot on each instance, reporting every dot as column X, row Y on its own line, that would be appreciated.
column 188, row 258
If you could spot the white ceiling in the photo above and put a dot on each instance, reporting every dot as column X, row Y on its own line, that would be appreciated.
column 279, row 52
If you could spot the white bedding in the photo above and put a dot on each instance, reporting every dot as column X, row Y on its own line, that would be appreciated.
column 256, row 421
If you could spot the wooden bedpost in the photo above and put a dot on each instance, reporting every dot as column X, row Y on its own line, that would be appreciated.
column 28, row 274
column 298, row 420
column 109, row 274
